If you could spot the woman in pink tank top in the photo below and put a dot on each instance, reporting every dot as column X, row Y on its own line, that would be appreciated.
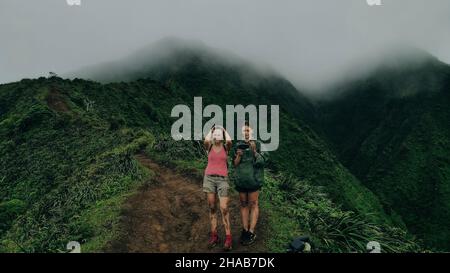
column 216, row 183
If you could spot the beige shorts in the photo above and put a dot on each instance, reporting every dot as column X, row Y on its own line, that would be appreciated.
column 216, row 184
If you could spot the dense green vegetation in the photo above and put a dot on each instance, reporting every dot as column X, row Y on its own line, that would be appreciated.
column 392, row 131
column 297, row 208
column 67, row 158
column 63, row 173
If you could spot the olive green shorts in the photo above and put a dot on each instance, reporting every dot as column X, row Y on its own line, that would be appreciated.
column 216, row 184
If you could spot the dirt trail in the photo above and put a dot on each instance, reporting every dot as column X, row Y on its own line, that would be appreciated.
column 172, row 216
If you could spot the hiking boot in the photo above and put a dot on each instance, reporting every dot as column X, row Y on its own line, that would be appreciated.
column 251, row 238
column 244, row 236
column 213, row 239
column 227, row 246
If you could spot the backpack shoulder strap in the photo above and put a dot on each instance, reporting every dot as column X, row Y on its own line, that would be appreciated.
column 210, row 147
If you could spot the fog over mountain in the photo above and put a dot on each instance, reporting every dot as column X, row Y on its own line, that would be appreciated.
column 312, row 43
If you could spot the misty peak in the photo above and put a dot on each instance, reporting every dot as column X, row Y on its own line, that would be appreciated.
column 169, row 47
column 170, row 54
column 406, row 56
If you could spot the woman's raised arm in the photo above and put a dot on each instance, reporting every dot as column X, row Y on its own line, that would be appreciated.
column 208, row 141
column 228, row 142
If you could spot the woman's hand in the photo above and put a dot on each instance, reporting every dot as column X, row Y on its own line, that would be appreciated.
column 237, row 159
column 253, row 147
column 208, row 139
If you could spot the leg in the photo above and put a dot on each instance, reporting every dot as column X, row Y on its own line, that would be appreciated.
column 254, row 209
column 225, row 214
column 222, row 190
column 243, row 197
column 211, row 197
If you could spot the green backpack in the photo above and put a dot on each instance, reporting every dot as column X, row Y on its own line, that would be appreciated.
column 249, row 174
column 260, row 163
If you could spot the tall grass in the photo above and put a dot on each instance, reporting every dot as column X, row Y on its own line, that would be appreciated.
column 306, row 210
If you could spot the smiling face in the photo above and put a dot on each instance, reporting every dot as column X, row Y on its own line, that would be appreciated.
column 247, row 132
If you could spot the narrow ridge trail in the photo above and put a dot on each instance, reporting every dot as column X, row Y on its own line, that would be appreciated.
column 171, row 215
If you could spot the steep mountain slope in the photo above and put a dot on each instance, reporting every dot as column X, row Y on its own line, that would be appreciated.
column 196, row 70
column 391, row 129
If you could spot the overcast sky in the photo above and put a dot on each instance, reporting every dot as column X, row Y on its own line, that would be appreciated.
column 311, row 42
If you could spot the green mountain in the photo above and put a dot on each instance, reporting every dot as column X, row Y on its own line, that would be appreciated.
column 391, row 130
column 68, row 155
column 197, row 70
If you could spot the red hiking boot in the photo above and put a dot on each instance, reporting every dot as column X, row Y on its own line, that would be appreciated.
column 213, row 239
column 228, row 243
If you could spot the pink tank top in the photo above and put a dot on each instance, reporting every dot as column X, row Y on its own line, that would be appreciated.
column 217, row 163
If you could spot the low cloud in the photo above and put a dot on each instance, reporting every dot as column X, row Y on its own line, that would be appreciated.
column 313, row 43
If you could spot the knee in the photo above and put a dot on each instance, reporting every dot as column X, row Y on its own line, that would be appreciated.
column 212, row 208
column 244, row 204
column 253, row 204
column 224, row 210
